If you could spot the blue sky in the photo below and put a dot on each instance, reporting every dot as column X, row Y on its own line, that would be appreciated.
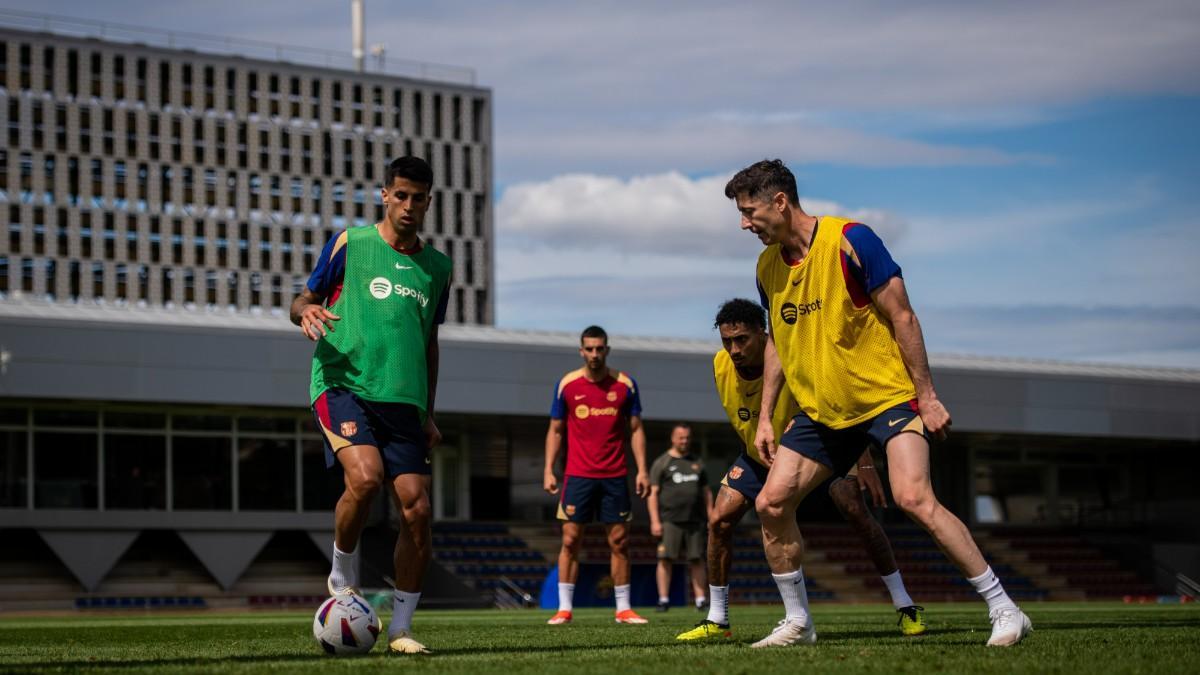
column 1032, row 165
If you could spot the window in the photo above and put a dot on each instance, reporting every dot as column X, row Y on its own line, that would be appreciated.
column 14, row 465
column 202, row 472
column 135, row 471
column 65, row 470
column 266, row 474
column 322, row 487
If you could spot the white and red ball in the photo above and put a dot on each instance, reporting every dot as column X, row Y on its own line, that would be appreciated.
column 346, row 624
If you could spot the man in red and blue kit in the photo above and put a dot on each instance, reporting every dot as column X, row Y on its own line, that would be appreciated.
column 595, row 407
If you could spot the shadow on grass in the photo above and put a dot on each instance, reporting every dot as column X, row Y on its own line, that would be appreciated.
column 216, row 662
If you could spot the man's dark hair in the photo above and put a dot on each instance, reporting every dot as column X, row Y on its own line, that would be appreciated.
column 762, row 180
column 413, row 168
column 593, row 332
column 743, row 311
column 681, row 425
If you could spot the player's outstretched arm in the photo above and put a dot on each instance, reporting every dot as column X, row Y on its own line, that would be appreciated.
column 554, row 438
column 891, row 299
column 310, row 315
column 773, row 382
column 637, row 443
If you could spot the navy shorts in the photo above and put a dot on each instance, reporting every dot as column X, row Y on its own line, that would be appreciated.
column 746, row 476
column 839, row 449
column 581, row 499
column 394, row 428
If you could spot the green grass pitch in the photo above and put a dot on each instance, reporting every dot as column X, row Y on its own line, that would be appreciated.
column 1067, row 638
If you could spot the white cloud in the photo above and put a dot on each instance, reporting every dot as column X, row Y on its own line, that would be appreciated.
column 656, row 218
column 727, row 140
column 620, row 87
column 1162, row 336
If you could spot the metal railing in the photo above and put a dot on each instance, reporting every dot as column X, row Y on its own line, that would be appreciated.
column 230, row 46
column 511, row 596
column 1185, row 585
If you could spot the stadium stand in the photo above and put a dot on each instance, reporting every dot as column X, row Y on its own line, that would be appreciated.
column 484, row 554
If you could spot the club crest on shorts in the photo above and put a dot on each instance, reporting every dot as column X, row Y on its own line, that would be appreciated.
column 735, row 473
column 570, row 509
column 349, row 428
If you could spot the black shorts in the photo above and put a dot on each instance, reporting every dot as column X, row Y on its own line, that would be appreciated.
column 582, row 498
column 839, row 449
column 746, row 476
column 394, row 428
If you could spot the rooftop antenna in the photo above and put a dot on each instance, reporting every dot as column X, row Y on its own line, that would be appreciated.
column 356, row 20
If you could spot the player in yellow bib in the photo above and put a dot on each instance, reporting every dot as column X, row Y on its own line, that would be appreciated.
column 847, row 345
column 737, row 371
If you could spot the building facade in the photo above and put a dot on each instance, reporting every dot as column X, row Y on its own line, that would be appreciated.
column 162, row 177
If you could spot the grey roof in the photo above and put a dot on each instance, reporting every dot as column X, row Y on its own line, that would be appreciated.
column 276, row 322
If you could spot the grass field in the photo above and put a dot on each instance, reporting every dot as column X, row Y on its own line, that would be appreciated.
column 1067, row 638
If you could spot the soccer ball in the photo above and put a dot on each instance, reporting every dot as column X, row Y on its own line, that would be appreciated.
column 346, row 624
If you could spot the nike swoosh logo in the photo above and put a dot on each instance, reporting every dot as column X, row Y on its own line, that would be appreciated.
column 579, row 396
column 403, row 267
column 797, row 282
column 752, row 393
column 892, row 423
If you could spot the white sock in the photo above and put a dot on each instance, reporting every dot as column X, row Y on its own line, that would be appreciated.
column 663, row 600
column 895, row 586
column 718, row 609
column 794, row 594
column 699, row 600
column 403, row 606
column 989, row 587
column 566, row 597
column 622, row 593
column 345, row 567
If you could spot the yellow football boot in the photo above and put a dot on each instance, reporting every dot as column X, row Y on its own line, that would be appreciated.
column 912, row 620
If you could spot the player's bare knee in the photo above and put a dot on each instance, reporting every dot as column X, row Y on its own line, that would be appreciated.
column 719, row 529
column 618, row 540
column 848, row 500
column 364, row 483
column 769, row 508
column 571, row 542
column 418, row 513
column 918, row 505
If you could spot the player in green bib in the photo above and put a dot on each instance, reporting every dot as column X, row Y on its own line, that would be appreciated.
column 373, row 305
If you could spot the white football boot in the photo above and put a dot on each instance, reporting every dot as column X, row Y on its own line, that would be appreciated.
column 789, row 632
column 1009, row 626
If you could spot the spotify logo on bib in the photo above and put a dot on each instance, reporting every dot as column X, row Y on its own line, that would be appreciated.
column 380, row 288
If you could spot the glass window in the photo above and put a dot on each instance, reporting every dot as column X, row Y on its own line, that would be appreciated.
column 14, row 416
column 202, row 473
column 322, row 486
column 135, row 471
column 266, row 474
column 64, row 467
column 284, row 425
column 65, row 418
column 202, row 422
column 134, row 420
column 13, row 468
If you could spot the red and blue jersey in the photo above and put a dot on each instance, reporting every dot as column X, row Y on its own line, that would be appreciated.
column 330, row 273
column 866, row 264
column 597, row 419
